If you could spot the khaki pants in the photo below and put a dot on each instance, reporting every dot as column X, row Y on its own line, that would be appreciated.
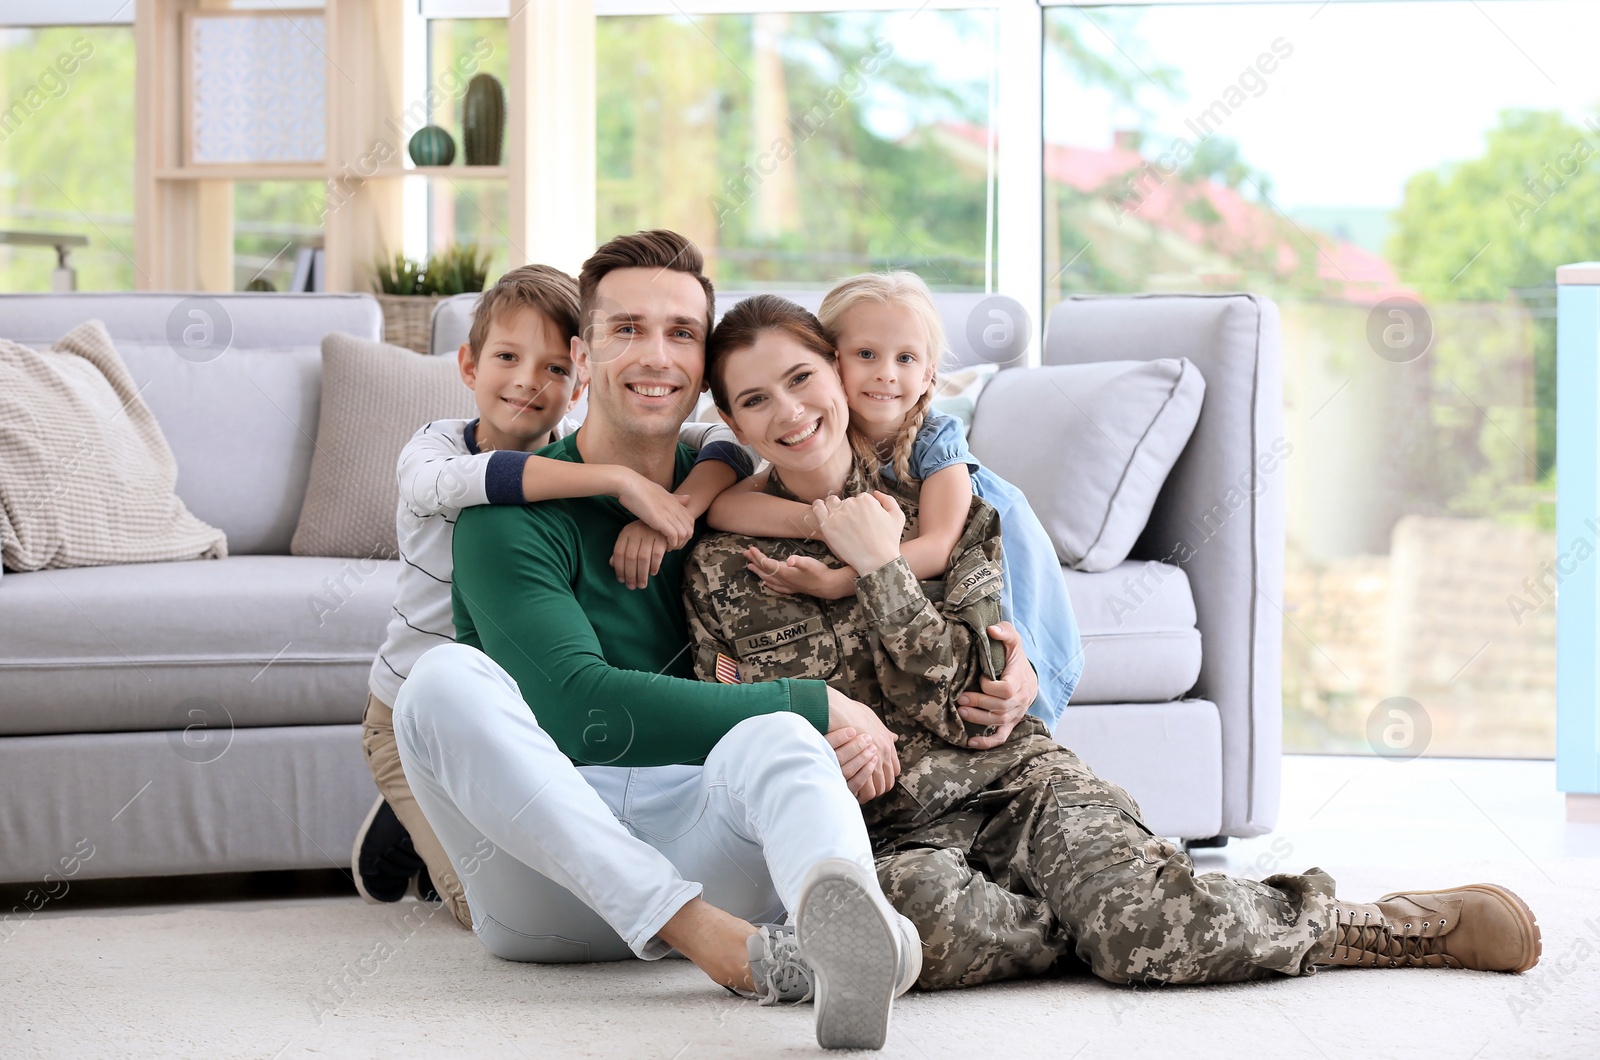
column 383, row 758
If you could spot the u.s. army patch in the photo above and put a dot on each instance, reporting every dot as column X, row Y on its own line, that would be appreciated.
column 776, row 638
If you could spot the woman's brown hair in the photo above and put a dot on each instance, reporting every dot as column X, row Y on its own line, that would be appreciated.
column 745, row 323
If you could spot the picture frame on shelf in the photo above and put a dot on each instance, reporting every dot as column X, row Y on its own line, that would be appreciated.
column 255, row 87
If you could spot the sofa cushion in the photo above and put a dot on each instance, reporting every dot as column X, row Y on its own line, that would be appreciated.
column 1090, row 445
column 242, row 429
column 452, row 323
column 1137, row 621
column 86, row 477
column 269, row 640
column 239, row 411
column 374, row 397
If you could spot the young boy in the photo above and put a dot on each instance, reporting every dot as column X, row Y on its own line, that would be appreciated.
column 518, row 363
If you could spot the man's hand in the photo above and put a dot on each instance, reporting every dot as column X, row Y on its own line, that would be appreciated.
column 802, row 575
column 665, row 513
column 846, row 713
column 637, row 557
column 1002, row 703
column 858, row 761
column 863, row 530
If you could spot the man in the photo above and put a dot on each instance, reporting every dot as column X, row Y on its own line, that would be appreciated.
column 596, row 799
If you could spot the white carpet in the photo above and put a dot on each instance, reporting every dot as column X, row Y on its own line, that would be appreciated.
column 340, row 978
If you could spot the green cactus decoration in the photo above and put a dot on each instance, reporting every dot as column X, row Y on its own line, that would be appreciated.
column 483, row 121
column 432, row 146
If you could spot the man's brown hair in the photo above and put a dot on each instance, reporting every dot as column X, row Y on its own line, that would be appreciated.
column 659, row 248
column 549, row 290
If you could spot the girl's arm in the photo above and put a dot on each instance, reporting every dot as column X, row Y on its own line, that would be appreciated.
column 943, row 508
column 745, row 509
column 706, row 481
column 945, row 503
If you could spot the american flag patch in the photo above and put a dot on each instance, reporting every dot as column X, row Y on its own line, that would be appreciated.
column 727, row 670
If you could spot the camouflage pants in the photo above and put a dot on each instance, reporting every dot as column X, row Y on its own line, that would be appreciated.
column 1052, row 861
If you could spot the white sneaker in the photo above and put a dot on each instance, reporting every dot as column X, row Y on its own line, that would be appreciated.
column 860, row 956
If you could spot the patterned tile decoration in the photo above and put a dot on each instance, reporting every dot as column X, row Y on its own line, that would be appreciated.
column 259, row 88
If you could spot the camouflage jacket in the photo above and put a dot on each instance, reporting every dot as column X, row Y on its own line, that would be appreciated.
column 903, row 647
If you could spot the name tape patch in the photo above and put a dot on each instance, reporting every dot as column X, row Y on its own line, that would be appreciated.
column 981, row 579
column 776, row 638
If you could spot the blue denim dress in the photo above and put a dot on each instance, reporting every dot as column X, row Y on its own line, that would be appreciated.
column 1034, row 594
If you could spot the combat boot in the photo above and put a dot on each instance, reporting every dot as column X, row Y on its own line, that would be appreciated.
column 1481, row 926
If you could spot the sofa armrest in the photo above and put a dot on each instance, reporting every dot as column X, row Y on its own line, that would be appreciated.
column 1221, row 514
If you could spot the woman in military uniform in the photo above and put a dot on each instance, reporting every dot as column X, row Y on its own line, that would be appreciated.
column 1008, row 858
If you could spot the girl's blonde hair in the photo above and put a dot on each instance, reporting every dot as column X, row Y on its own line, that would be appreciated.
column 907, row 290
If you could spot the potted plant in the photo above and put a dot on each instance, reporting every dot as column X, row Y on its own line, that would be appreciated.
column 457, row 269
column 408, row 290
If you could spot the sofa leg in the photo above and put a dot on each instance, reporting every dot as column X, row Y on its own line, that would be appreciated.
column 1216, row 842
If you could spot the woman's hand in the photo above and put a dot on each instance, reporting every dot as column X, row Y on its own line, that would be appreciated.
column 665, row 513
column 858, row 761
column 802, row 575
column 1002, row 703
column 864, row 530
column 847, row 713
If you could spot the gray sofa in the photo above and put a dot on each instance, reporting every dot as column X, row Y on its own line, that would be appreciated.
column 204, row 717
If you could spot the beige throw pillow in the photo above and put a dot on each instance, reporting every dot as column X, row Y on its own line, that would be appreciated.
column 374, row 397
column 86, row 477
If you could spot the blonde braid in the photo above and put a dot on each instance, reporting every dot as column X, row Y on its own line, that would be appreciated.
column 905, row 438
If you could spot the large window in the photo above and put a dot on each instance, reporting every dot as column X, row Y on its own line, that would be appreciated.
column 1403, row 178
column 793, row 148
column 66, row 152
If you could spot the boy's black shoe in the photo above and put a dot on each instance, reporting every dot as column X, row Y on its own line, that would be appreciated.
column 383, row 861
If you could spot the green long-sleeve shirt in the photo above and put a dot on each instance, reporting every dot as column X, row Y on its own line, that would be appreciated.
column 607, row 671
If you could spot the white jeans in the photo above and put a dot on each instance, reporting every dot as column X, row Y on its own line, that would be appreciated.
column 569, row 863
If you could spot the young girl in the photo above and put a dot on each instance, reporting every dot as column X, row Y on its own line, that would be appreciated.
column 889, row 339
